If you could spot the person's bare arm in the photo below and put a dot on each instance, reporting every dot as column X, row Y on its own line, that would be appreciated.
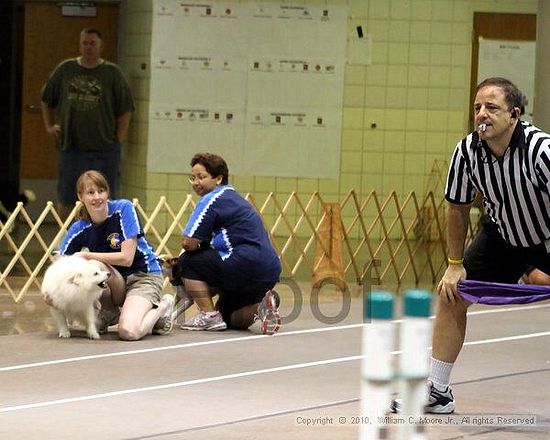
column 190, row 243
column 123, row 258
column 457, row 229
column 48, row 115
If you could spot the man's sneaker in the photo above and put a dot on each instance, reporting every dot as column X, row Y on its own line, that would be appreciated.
column 440, row 402
column 106, row 318
column 164, row 324
column 201, row 321
column 396, row 406
column 268, row 313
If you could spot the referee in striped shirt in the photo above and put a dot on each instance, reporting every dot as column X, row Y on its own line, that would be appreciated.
column 507, row 161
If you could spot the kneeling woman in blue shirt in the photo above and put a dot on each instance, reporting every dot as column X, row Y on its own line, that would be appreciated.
column 227, row 252
column 109, row 231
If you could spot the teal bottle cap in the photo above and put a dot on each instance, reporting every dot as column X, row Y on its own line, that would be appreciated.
column 417, row 303
column 378, row 305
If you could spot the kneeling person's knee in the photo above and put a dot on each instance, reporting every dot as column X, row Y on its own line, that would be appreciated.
column 128, row 332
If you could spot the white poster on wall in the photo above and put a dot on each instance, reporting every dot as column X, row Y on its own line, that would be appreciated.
column 260, row 84
column 513, row 60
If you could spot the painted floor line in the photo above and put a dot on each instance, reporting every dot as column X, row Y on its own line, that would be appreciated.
column 236, row 376
column 509, row 309
column 507, row 339
column 178, row 384
column 173, row 347
column 247, row 419
column 237, row 339
column 495, row 340
column 355, row 400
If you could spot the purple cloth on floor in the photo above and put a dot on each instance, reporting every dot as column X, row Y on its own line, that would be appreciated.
column 485, row 292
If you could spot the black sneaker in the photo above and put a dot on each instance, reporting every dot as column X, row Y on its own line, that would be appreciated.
column 440, row 402
column 396, row 406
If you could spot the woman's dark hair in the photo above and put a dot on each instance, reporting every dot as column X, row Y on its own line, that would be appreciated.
column 512, row 95
column 87, row 177
column 214, row 164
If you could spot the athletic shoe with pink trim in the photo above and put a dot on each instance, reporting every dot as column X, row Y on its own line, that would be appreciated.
column 211, row 321
column 268, row 313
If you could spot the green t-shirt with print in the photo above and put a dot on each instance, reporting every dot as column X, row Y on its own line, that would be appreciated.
column 88, row 104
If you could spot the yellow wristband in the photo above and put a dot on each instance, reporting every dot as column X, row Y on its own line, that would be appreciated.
column 455, row 262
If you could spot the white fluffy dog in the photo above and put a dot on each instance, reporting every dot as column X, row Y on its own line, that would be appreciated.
column 74, row 285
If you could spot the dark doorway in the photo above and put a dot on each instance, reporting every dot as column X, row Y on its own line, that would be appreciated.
column 50, row 36
column 11, row 23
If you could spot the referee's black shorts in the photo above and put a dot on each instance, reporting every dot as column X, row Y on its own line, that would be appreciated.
column 490, row 258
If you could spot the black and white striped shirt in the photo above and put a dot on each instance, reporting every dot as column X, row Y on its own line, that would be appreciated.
column 515, row 188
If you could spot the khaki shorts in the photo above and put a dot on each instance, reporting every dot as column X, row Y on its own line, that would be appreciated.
column 145, row 285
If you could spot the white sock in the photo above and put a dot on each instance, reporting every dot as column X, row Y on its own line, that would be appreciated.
column 440, row 374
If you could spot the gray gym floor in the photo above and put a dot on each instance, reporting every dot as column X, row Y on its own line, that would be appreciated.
column 243, row 385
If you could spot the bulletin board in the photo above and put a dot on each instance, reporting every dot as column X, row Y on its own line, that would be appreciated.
column 259, row 83
column 513, row 60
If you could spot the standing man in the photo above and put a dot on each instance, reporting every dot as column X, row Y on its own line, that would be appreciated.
column 86, row 104
column 507, row 161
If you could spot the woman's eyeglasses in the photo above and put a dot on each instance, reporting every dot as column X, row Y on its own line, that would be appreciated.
column 192, row 179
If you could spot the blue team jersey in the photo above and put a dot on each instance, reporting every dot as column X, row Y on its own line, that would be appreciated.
column 235, row 230
column 122, row 223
